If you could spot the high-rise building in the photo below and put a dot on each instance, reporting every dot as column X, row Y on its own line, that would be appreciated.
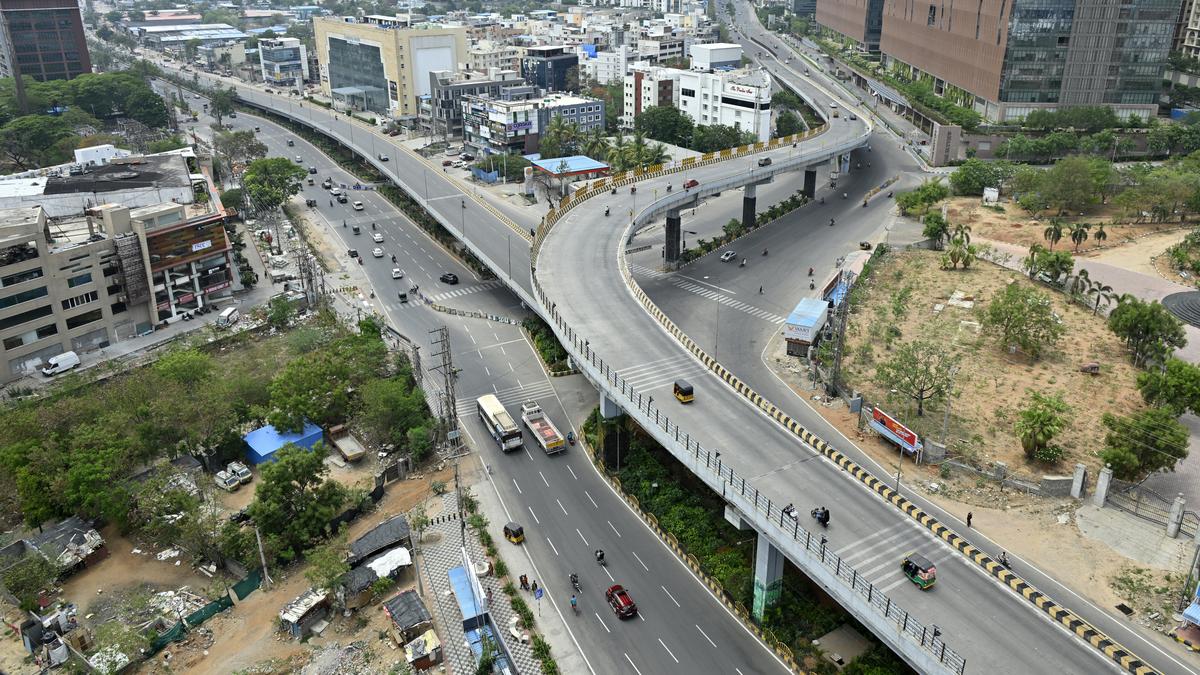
column 1006, row 58
column 441, row 111
column 381, row 63
column 42, row 39
column 1187, row 33
column 738, row 98
column 284, row 62
column 546, row 67
column 857, row 20
column 514, row 122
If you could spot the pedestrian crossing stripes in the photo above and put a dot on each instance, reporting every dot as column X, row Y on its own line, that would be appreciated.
column 728, row 301
column 652, row 374
column 467, row 290
column 643, row 271
column 513, row 396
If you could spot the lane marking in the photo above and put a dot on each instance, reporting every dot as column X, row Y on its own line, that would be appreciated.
column 541, row 474
column 585, row 541
column 597, row 615
column 671, row 596
column 640, row 561
column 572, row 472
column 517, row 486
column 560, row 505
column 589, row 496
column 664, row 645
column 614, row 528
column 635, row 668
column 552, row 546
column 535, row 518
column 706, row 637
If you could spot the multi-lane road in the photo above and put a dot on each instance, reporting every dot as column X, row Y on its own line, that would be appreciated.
column 980, row 619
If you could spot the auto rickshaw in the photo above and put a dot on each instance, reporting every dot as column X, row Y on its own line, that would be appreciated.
column 310, row 181
column 311, row 203
column 919, row 570
column 514, row 533
column 683, row 391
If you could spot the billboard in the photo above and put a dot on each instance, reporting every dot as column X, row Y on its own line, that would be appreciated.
column 907, row 438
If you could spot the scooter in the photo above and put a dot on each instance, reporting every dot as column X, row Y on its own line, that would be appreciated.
column 606, row 211
column 810, row 271
column 632, row 189
column 821, row 514
column 571, row 437
column 743, row 263
column 812, row 285
column 575, row 583
column 764, row 252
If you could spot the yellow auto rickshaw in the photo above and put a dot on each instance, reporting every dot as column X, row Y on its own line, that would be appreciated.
column 514, row 533
column 683, row 391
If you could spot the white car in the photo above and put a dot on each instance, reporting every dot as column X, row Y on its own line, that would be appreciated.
column 377, row 237
column 299, row 159
column 358, row 206
column 397, row 273
column 728, row 255
column 378, row 252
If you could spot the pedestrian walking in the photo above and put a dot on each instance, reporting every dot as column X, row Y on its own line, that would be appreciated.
column 760, row 290
column 533, row 586
column 969, row 517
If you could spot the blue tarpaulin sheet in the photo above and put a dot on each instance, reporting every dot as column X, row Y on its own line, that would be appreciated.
column 262, row 443
column 467, row 595
column 1192, row 613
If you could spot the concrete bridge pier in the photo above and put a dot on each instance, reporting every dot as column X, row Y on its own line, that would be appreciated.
column 810, row 182
column 749, row 200
column 614, row 438
column 768, row 577
column 673, row 247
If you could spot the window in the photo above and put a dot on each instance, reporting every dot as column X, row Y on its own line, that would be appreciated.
column 690, row 93
column 79, row 280
column 20, row 277
column 932, row 18
column 18, row 319
column 84, row 319
column 23, row 296
column 31, row 336
column 90, row 296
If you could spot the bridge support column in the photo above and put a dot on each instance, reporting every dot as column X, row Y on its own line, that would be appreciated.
column 614, row 440
column 609, row 408
column 749, row 199
column 810, row 184
column 672, row 249
column 768, row 577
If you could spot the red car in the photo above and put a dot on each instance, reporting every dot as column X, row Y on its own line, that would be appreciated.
column 447, row 162
column 691, row 184
column 618, row 598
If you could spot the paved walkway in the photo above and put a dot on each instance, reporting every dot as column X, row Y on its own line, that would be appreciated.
column 1135, row 538
column 441, row 550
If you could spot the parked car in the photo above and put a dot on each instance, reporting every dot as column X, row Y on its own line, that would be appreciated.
column 377, row 237
column 449, row 278
column 447, row 162
column 728, row 255
column 60, row 363
column 618, row 598
column 227, row 481
column 358, row 206
column 241, row 471
column 353, row 253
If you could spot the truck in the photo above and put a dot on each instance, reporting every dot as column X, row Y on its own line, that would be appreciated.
column 543, row 429
column 804, row 325
column 347, row 445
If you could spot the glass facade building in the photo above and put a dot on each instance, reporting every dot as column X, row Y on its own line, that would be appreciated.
column 356, row 74
column 47, row 40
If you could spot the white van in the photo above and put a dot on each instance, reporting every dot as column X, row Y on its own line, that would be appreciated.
column 227, row 317
column 60, row 364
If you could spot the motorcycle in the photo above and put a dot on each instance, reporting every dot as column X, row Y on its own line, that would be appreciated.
column 606, row 211
column 812, row 285
column 575, row 583
column 821, row 514
column 764, row 252
column 889, row 195
column 600, row 559
column 810, row 271
column 571, row 437
column 632, row 189
column 743, row 263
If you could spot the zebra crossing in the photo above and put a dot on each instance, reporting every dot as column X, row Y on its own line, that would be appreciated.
column 466, row 290
column 729, row 302
column 661, row 372
column 648, row 272
column 877, row 557
column 510, row 397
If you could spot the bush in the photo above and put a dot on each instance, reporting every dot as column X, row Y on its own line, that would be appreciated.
column 548, row 347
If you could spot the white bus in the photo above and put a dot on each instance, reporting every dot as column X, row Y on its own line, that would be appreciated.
column 499, row 423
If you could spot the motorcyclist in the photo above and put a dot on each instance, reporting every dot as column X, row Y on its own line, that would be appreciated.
column 1004, row 558
column 845, row 195
column 831, row 222
column 743, row 262
column 574, row 579
column 790, row 510
column 600, row 556
column 331, row 202
column 606, row 209
column 764, row 251
column 810, row 271
column 393, row 257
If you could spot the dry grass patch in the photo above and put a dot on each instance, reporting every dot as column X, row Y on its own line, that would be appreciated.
column 899, row 305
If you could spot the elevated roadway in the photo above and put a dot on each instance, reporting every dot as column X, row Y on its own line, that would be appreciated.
column 586, row 292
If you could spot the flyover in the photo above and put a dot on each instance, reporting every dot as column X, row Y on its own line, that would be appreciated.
column 586, row 293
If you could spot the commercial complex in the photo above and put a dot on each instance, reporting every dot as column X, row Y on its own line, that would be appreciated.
column 1006, row 58
column 43, row 40
column 513, row 123
column 97, row 274
column 284, row 62
column 382, row 65
column 546, row 67
column 441, row 111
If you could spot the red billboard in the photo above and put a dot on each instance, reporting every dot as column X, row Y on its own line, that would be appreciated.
column 906, row 435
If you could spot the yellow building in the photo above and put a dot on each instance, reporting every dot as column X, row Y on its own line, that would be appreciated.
column 381, row 64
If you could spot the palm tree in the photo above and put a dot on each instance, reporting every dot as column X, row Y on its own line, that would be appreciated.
column 1031, row 263
column 595, row 144
column 655, row 153
column 617, row 153
column 1079, row 234
column 1101, row 235
column 1053, row 233
column 1080, row 284
column 1103, row 292
column 963, row 233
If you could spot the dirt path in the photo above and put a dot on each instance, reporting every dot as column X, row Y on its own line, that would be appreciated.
column 1139, row 255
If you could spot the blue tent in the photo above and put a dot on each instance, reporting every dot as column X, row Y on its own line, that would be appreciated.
column 263, row 442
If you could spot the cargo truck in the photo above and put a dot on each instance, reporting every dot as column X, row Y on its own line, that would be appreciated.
column 543, row 429
column 347, row 445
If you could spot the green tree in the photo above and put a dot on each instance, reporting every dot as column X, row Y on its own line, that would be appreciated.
column 1042, row 418
column 1053, row 232
column 166, row 144
column 238, row 147
column 390, row 408
column 312, row 388
column 189, row 367
column 665, row 123
column 1147, row 441
column 559, row 139
column 1175, row 386
column 29, row 142
column 919, row 370
column 294, row 502
column 327, row 564
column 221, row 103
column 715, row 137
column 27, row 579
column 1070, row 185
column 269, row 182
column 1079, row 234
column 1148, row 329
column 973, row 175
column 1024, row 318
column 595, row 143
column 936, row 229
column 280, row 312
column 788, row 123
column 148, row 108
column 1102, row 292
column 420, row 443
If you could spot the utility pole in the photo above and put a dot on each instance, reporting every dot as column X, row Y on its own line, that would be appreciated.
column 450, row 439
column 262, row 558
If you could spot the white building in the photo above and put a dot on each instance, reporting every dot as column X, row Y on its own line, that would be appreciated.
column 607, row 67
column 716, row 56
column 487, row 55
column 284, row 61
column 737, row 98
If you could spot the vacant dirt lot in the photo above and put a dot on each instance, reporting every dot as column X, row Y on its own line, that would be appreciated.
column 991, row 383
column 1010, row 223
